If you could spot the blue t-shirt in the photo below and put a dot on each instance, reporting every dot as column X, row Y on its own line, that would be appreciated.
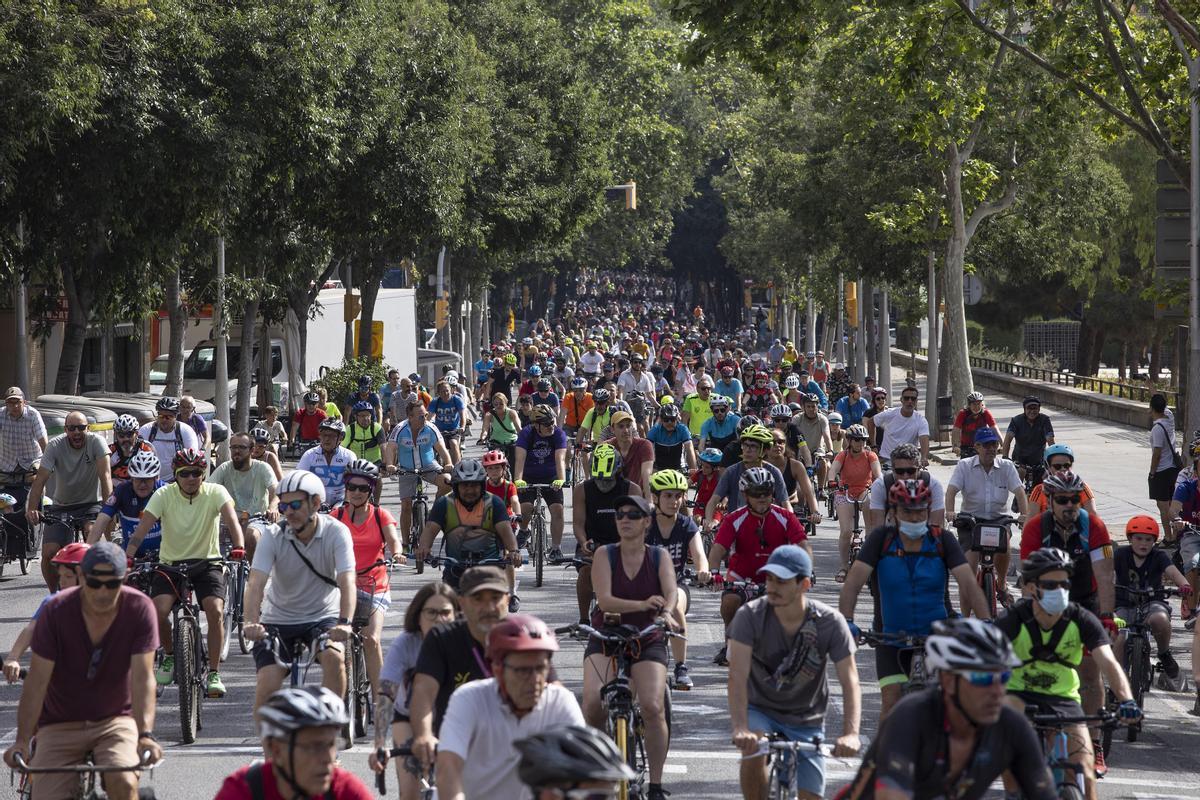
column 660, row 435
column 815, row 388
column 447, row 414
column 425, row 441
column 482, row 367
column 371, row 398
column 551, row 399
column 731, row 389
column 1187, row 496
column 539, row 453
column 712, row 430
column 852, row 414
column 126, row 507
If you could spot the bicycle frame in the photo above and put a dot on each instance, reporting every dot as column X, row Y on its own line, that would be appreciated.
column 988, row 537
column 1056, row 745
column 917, row 675
column 539, row 530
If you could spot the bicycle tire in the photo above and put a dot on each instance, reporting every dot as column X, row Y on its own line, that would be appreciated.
column 227, row 617
column 1069, row 791
column 414, row 536
column 539, row 548
column 240, row 617
column 186, row 679
column 1136, row 657
column 350, row 730
column 362, row 689
column 987, row 582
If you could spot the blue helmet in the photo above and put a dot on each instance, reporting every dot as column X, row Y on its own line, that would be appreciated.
column 363, row 405
column 535, row 371
column 1057, row 450
column 711, row 455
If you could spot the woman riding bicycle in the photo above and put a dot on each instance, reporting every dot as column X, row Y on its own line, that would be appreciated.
column 853, row 471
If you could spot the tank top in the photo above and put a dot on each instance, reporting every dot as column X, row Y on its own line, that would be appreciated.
column 789, row 479
column 601, row 516
column 501, row 432
column 643, row 584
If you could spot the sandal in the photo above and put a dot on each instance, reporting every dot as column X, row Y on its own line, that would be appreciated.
column 840, row 577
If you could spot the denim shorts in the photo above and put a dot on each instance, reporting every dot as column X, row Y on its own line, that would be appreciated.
column 809, row 765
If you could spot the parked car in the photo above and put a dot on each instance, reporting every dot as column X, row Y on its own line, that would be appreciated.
column 55, row 407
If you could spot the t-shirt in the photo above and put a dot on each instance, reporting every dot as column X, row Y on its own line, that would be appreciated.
column 668, row 445
column 480, row 728
column 1128, row 573
column 640, row 452
column 296, row 593
column 811, row 432
column 368, row 545
column 77, row 692
column 730, row 488
column 539, row 453
column 716, row 433
column 852, row 413
column 1029, row 438
column 590, row 362
column 424, row 444
column 731, row 388
column 698, row 412
column 856, row 470
column 331, row 470
column 899, row 429
column 250, row 490
column 447, row 414
column 345, row 785
column 677, row 540
column 503, row 380
column 309, row 424
column 798, row 696
column 1162, row 435
column 75, row 481
column 398, row 667
column 167, row 443
column 126, row 507
column 628, row 382
column 451, row 656
column 1089, row 542
column 190, row 525
column 506, row 491
column 576, row 409
column 969, row 424
column 910, row 588
column 1057, row 678
column 752, row 538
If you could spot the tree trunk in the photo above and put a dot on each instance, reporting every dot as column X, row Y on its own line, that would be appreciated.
column 884, row 375
column 108, row 358
column 958, row 362
column 1083, row 351
column 370, row 293
column 178, row 319
column 246, row 366
column 1123, row 364
column 1156, row 354
column 80, row 297
column 266, row 377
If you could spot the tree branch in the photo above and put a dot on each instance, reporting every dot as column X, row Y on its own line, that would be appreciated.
column 991, row 208
column 1177, row 21
column 1127, row 37
column 969, row 146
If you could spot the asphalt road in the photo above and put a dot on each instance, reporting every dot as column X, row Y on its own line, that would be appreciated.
column 702, row 763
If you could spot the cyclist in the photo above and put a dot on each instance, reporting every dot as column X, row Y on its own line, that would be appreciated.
column 502, row 378
column 637, row 454
column 308, row 419
column 78, row 460
column 476, row 756
column 127, row 502
column 261, row 451
column 674, row 530
column 300, row 729
column 393, row 383
column 837, row 385
column 415, row 445
column 779, row 645
column 593, row 510
column 495, row 465
column 906, row 459
column 365, row 393
column 729, row 386
column 575, row 406
column 637, row 582
column 901, row 425
column 754, row 440
column 82, row 704
column 759, row 398
column 66, row 564
column 705, row 480
column 190, row 510
column 811, row 387
column 968, row 423
column 304, row 570
column 448, row 410
column 986, row 480
column 1031, row 432
column 672, row 441
column 591, row 360
column 544, row 394
column 958, row 736
column 909, row 565
column 1051, row 635
column 565, row 762
column 542, row 458
column 635, row 379
column 127, row 444
column 597, row 419
column 795, row 477
column 697, row 407
column 852, row 406
column 276, row 434
column 529, row 385
column 721, row 428
column 809, row 430
column 1059, row 458
column 329, row 461
column 853, row 470
column 373, row 534
column 562, row 375
column 364, row 436
column 251, row 484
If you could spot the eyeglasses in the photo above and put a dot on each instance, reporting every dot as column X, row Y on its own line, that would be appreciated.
column 188, row 473
column 1060, row 466
column 1066, row 499
column 985, row 679
column 359, row 487
column 537, row 670
column 904, row 470
column 1050, row 586
column 96, row 583
column 76, row 427
column 239, row 447
column 631, row 515
column 294, row 505
column 438, row 613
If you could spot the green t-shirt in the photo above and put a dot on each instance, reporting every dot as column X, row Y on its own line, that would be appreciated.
column 596, row 423
column 250, row 490
column 699, row 412
column 190, row 526
column 364, row 442
column 1056, row 677
column 74, row 480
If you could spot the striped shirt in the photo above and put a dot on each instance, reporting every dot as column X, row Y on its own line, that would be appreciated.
column 19, row 448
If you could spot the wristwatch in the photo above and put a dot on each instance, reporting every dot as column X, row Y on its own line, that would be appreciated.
column 343, row 621
column 147, row 735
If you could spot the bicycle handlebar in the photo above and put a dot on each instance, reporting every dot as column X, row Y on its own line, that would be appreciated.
column 1105, row 718
column 624, row 634
column 901, row 640
column 145, row 763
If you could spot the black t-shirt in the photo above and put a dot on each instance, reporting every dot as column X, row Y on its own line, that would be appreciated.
column 1029, row 438
column 451, row 656
column 731, row 454
column 678, row 540
column 870, row 412
column 912, row 749
column 503, row 380
column 1147, row 576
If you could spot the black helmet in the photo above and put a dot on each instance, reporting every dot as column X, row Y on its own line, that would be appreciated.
column 566, row 756
column 1047, row 559
column 167, row 404
column 669, row 411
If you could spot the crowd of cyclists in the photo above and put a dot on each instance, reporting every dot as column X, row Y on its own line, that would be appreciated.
column 692, row 460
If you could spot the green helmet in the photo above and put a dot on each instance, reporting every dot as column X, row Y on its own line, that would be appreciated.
column 666, row 479
column 758, row 433
column 606, row 461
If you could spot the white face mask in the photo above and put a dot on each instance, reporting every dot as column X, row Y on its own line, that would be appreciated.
column 1054, row 601
column 913, row 530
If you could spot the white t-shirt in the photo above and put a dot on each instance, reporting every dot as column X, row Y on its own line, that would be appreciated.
column 167, row 444
column 899, row 429
column 1162, row 434
column 627, row 383
column 590, row 362
column 879, row 496
column 480, row 728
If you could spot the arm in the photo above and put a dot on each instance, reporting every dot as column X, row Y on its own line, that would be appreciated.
column 951, row 496
column 924, row 439
column 956, row 437
column 518, row 464
column 856, row 578
column 33, row 694
column 255, row 586
column 443, row 454
column 848, row 743
column 1022, row 504
column 230, row 518
column 1172, row 573
column 835, row 469
column 739, row 655
column 806, row 488
column 392, row 542
column 449, row 776
column 143, row 689
column 666, row 579
column 33, row 502
column 1106, row 586
column 969, row 590
column 689, row 454
column 347, row 597
column 871, row 430
column 99, row 527
column 710, row 508
column 644, row 481
column 104, row 473
column 143, row 527
column 699, row 559
column 1155, row 454
column 560, row 464
column 425, row 690
column 12, row 666
column 425, row 546
column 1112, row 672
column 1008, row 437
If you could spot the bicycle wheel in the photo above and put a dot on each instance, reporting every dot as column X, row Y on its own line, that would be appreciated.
column 240, row 614
column 418, row 524
column 987, row 582
column 350, row 731
column 227, row 621
column 362, row 689
column 1069, row 791
column 538, row 547
column 1136, row 658
column 186, row 678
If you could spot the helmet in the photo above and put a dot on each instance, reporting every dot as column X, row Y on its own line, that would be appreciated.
column 791, row 382
column 519, row 633
column 535, row 371
column 711, row 455
column 1047, row 559
column 878, row 392
column 361, row 468
column 668, row 411
column 295, row 708
column 168, row 404
column 312, row 397
column 910, row 494
column 332, row 424
column 71, row 554
column 578, row 383
column 969, row 644
column 857, row 432
column 600, row 395
column 362, row 405
column 781, row 411
column 364, row 382
column 756, row 479
column 493, row 458
column 718, row 401
column 835, row 418
column 189, row 457
column 528, row 340
column 469, row 470
column 761, row 376
column 301, row 480
column 975, row 397
column 746, row 421
column 144, row 464
column 510, row 359
column 812, row 398
column 260, row 435
column 1062, row 483
column 1142, row 523
column 757, row 433
column 126, row 423
column 566, row 756
column 796, row 408
column 727, row 370
column 544, row 414
column 666, row 479
column 1059, row 450
column 452, row 380
column 606, row 461
column 542, row 385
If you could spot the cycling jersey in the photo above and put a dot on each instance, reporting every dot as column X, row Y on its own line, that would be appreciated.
column 852, row 412
column 364, row 441
column 425, row 441
column 910, row 589
column 595, row 421
column 758, row 400
column 309, row 424
column 718, row 434
column 447, row 414
column 1088, row 542
column 1049, row 657
column 345, row 785
column 576, row 408
column 677, row 540
column 731, row 388
column 751, row 538
column 1030, row 438
column 668, row 445
column 118, row 461
column 970, row 424
column 705, row 486
column 126, row 507
column 330, row 470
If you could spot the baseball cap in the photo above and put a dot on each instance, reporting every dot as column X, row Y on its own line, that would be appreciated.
column 634, row 500
column 619, row 417
column 104, row 554
column 14, row 391
column 479, row 579
column 985, row 435
column 788, row 561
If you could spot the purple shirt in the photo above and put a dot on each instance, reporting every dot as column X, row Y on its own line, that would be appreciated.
column 78, row 692
column 539, row 453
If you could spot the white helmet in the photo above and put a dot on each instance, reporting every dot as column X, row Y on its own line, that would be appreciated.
column 791, row 382
column 301, row 480
column 144, row 464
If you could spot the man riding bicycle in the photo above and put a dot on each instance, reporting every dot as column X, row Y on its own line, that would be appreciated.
column 168, row 434
column 329, row 461
column 127, row 444
column 415, row 445
column 251, row 484
column 1031, row 432
column 671, row 439
column 127, row 502
column 541, row 458
column 448, row 412
column 809, row 430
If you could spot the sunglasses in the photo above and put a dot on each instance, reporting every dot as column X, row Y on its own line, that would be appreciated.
column 760, row 495
column 96, row 583
column 94, row 664
column 294, row 505
column 1060, row 465
column 76, row 427
column 904, row 470
column 1050, row 586
column 1066, row 499
column 188, row 473
column 631, row 515
column 359, row 487
column 985, row 679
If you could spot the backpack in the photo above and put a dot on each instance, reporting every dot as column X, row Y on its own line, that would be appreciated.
column 1046, row 652
column 254, row 780
column 889, row 548
column 1048, row 530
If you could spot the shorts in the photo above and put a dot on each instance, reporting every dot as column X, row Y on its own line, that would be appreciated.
column 1128, row 613
column 406, row 485
column 112, row 742
column 1189, row 551
column 63, row 535
column 370, row 602
column 653, row 650
column 551, row 496
column 1050, row 704
column 306, row 632
column 809, row 775
column 454, row 434
column 1162, row 484
column 892, row 664
column 207, row 579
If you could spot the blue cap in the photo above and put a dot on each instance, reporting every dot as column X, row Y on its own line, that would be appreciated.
column 788, row 561
column 985, row 435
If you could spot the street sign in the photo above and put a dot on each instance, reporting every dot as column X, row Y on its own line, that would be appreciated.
column 1172, row 199
column 1171, row 239
column 972, row 289
column 376, row 338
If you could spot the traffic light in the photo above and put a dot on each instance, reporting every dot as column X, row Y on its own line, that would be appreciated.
column 852, row 303
column 351, row 307
column 441, row 313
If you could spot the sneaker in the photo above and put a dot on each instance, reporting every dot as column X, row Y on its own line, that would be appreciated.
column 213, row 686
column 655, row 792
column 555, row 554
column 514, row 604
column 165, row 673
column 1169, row 664
column 683, row 682
column 1101, row 767
column 719, row 659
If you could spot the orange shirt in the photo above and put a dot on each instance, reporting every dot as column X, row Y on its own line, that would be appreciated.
column 1037, row 497
column 856, row 471
column 577, row 409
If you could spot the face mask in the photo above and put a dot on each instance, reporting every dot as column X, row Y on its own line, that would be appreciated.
column 1054, row 601
column 913, row 530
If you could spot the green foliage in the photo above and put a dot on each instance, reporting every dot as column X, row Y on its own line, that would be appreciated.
column 341, row 382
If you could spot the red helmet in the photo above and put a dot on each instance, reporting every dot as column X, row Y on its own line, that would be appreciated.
column 494, row 458
column 71, row 555
column 519, row 633
column 189, row 457
column 910, row 494
column 1142, row 523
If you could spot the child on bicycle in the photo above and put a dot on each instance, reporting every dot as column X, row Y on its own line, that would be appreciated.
column 705, row 480
column 1141, row 565
column 495, row 464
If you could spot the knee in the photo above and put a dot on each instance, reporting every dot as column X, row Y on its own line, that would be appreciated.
column 592, row 709
column 332, row 660
column 652, row 707
column 121, row 784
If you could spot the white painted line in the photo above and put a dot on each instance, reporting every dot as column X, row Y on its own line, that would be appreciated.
column 9, row 737
column 675, row 769
column 1175, row 782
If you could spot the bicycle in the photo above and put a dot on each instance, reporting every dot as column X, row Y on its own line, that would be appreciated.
column 582, row 458
column 1137, row 664
column 917, row 675
column 18, row 540
column 236, row 575
column 1057, row 751
column 857, row 532
column 539, row 531
column 420, row 509
column 87, row 772
column 455, row 567
column 76, row 522
column 424, row 777
column 625, row 723
column 359, row 701
column 987, row 537
column 781, row 756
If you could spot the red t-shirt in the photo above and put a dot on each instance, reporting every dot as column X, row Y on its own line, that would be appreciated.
column 309, row 424
column 969, row 425
column 1099, row 547
column 739, row 533
column 346, row 786
column 640, row 451
column 60, row 635
column 506, row 491
column 368, row 545
column 705, row 486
